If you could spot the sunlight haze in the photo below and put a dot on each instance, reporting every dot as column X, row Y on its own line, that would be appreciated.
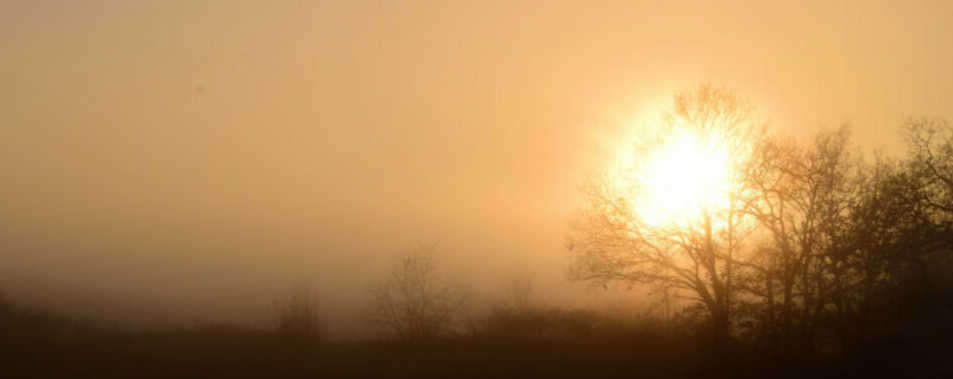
column 174, row 162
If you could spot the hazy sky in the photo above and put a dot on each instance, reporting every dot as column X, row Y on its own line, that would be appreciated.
column 185, row 160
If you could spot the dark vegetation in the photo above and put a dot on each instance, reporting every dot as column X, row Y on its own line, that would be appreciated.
column 537, row 342
column 833, row 267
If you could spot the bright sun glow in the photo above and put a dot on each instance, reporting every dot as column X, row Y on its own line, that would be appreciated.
column 680, row 177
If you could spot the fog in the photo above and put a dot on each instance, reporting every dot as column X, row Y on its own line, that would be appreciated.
column 180, row 162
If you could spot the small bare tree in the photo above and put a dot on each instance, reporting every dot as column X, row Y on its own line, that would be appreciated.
column 414, row 302
column 298, row 316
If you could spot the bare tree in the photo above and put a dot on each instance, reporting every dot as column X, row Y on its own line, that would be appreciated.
column 804, row 201
column 612, row 242
column 414, row 302
column 888, row 232
column 929, row 166
column 298, row 316
column 930, row 149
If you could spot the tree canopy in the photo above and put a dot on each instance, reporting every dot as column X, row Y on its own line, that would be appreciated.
column 804, row 242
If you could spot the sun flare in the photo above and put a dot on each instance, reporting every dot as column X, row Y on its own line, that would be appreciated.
column 679, row 177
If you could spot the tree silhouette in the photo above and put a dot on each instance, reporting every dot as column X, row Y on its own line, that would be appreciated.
column 299, row 320
column 414, row 302
column 930, row 148
column 805, row 196
column 612, row 242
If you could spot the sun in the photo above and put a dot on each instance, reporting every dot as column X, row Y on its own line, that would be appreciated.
column 678, row 177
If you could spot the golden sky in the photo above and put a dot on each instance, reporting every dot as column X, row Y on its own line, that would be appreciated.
column 208, row 152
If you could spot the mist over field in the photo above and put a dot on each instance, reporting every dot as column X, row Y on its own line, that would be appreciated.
column 172, row 164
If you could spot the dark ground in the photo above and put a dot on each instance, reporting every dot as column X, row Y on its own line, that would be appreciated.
column 43, row 345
